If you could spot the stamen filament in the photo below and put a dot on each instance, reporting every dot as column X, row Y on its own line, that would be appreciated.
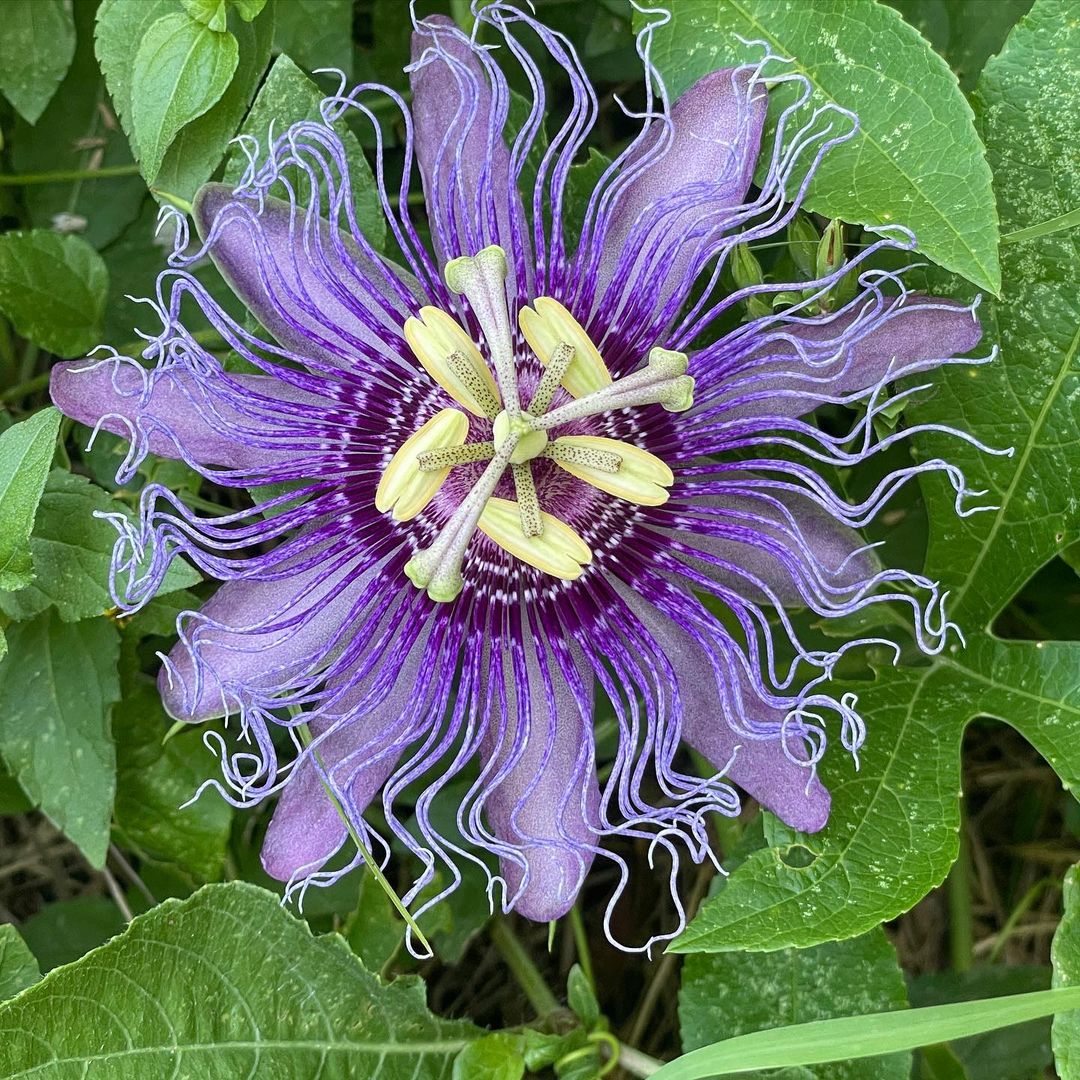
column 528, row 502
column 445, row 457
column 557, row 367
column 438, row 568
column 481, row 279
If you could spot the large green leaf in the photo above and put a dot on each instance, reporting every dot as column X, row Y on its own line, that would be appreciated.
column 316, row 33
column 72, row 553
column 26, row 452
column 287, row 97
column 18, row 968
column 1066, row 957
column 222, row 985
column 35, row 50
column 58, row 683
column 733, row 993
column 181, row 70
column 893, row 831
column 916, row 159
column 53, row 289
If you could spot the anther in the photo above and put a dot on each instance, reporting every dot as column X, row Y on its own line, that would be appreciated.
column 446, row 457
column 528, row 502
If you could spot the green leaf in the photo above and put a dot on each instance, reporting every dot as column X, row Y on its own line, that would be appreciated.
column 373, row 929
column 249, row 9
column 864, row 1036
column 53, row 289
column 494, row 1057
column 26, row 452
column 892, row 835
column 287, row 97
column 212, row 13
column 316, row 33
column 281, row 1002
column 1065, row 954
column 72, row 552
column 36, row 48
column 154, row 781
column 198, row 148
column 58, row 683
column 916, row 160
column 181, row 70
column 734, row 993
column 18, row 968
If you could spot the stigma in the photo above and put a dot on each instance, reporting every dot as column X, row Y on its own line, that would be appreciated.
column 521, row 432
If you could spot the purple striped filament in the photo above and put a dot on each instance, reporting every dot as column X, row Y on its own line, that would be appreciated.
column 676, row 623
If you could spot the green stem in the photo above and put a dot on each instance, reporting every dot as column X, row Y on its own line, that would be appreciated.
column 25, row 389
column 961, row 931
column 369, row 859
column 581, row 943
column 1017, row 914
column 525, row 972
column 636, row 1063
column 66, row 176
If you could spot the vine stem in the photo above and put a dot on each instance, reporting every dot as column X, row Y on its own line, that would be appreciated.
column 65, row 176
column 636, row 1063
column 525, row 972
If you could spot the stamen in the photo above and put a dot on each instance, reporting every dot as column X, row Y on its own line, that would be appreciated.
column 437, row 568
column 481, row 278
column 557, row 551
column 640, row 477
column 553, row 375
column 566, row 450
column 528, row 503
column 662, row 381
column 452, row 359
column 446, row 457
column 551, row 325
column 404, row 485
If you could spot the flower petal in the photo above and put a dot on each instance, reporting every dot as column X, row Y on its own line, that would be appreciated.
column 781, row 382
column 811, row 542
column 759, row 766
column 317, row 301
column 696, row 173
column 179, row 414
column 360, row 755
column 258, row 636
column 464, row 162
column 547, row 806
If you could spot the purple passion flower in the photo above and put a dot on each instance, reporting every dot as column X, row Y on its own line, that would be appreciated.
column 530, row 470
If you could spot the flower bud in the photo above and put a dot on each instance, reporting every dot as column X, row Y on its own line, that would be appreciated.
column 803, row 242
column 830, row 251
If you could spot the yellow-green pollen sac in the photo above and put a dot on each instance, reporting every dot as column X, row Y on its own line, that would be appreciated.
column 520, row 434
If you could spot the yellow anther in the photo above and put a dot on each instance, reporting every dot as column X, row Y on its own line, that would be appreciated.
column 435, row 337
column 558, row 550
column 641, row 477
column 551, row 325
column 405, row 487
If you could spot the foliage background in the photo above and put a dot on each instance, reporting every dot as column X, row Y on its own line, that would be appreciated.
column 942, row 874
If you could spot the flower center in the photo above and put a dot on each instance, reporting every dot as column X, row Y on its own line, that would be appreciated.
column 519, row 435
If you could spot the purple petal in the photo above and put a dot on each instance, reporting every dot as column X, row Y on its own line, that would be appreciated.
column 811, row 542
column 255, row 637
column 306, row 828
column 701, row 169
column 784, row 383
column 464, row 162
column 319, row 301
column 547, row 806
column 759, row 766
column 180, row 414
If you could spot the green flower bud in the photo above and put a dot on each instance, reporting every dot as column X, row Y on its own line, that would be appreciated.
column 830, row 251
column 803, row 241
column 745, row 268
